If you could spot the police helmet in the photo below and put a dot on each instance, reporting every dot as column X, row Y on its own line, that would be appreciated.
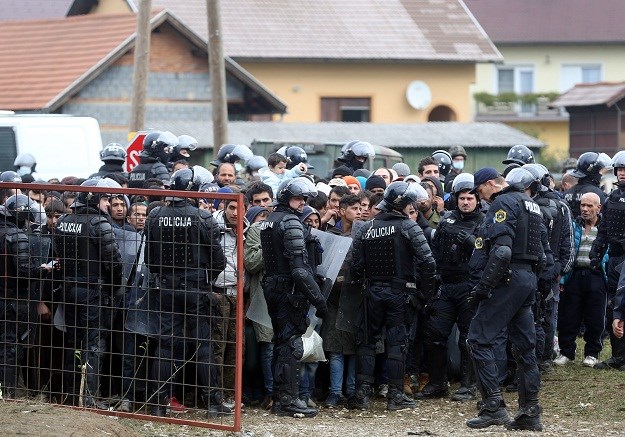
column 521, row 179
column 232, row 153
column 93, row 199
column 356, row 149
column 183, row 180
column 457, row 151
column 255, row 163
column 462, row 182
column 150, row 138
column 541, row 173
column 10, row 176
column 591, row 164
column 294, row 156
column 519, row 154
column 113, row 152
column 299, row 186
column 201, row 175
column 186, row 142
column 618, row 161
column 444, row 161
column 510, row 167
column 23, row 209
column 400, row 194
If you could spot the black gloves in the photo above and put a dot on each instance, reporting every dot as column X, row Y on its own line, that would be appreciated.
column 465, row 238
column 322, row 310
column 478, row 294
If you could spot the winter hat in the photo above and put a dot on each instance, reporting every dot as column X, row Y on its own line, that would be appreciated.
column 402, row 169
column 350, row 180
column 221, row 190
column 342, row 170
column 253, row 212
column 362, row 181
column 375, row 181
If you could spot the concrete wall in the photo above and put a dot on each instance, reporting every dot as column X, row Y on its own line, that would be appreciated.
column 302, row 85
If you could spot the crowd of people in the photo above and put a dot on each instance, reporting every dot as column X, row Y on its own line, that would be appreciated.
column 142, row 290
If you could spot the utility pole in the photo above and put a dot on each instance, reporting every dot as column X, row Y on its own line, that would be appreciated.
column 216, row 68
column 141, row 67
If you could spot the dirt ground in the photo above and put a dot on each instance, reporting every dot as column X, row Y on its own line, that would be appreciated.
column 577, row 401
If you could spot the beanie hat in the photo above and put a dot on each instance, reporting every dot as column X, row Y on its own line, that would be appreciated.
column 402, row 169
column 351, row 180
column 342, row 170
column 362, row 181
column 253, row 212
column 221, row 190
column 375, row 181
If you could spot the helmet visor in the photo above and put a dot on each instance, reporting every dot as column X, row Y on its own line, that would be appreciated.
column 364, row 150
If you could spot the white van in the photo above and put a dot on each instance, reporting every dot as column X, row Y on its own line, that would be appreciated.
column 63, row 145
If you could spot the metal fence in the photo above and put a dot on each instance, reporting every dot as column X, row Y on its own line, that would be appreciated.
column 137, row 329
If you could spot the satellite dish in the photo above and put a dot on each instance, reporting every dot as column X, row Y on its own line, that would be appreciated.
column 418, row 94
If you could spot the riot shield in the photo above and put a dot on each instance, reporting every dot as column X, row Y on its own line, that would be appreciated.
column 335, row 249
column 129, row 243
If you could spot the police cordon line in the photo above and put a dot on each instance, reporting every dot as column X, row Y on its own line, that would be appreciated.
column 373, row 271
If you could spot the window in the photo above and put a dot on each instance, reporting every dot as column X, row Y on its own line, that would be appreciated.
column 516, row 79
column 345, row 109
column 570, row 75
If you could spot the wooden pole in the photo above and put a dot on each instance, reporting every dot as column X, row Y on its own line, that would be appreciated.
column 216, row 67
column 141, row 67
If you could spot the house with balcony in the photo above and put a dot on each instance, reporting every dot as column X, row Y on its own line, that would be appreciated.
column 548, row 47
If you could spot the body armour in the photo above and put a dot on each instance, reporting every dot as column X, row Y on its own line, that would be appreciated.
column 614, row 216
column 180, row 239
column 148, row 168
column 387, row 251
column 451, row 256
column 273, row 244
column 78, row 250
column 515, row 216
column 14, row 267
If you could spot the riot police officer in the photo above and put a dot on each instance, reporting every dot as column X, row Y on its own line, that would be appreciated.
column 557, row 218
column 386, row 252
column 232, row 154
column 183, row 255
column 611, row 237
column 355, row 154
column 157, row 148
column 511, row 249
column 289, row 286
column 452, row 247
column 294, row 156
column 16, row 269
column 113, row 156
column 91, row 266
column 588, row 172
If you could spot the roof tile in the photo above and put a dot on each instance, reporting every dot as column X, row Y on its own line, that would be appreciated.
column 397, row 30
column 552, row 21
column 41, row 58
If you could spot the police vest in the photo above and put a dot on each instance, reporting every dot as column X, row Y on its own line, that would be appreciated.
column 272, row 243
column 80, row 256
column 614, row 215
column 549, row 210
column 174, row 239
column 454, row 257
column 8, row 270
column 527, row 243
column 140, row 174
column 387, row 253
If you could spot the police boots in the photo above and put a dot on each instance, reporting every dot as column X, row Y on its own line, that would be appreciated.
column 527, row 419
column 360, row 399
column 293, row 406
column 492, row 412
column 437, row 387
column 467, row 390
column 397, row 400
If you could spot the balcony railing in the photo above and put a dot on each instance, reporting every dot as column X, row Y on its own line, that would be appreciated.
column 492, row 106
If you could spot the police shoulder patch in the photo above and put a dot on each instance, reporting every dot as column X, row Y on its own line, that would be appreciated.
column 500, row 216
column 479, row 242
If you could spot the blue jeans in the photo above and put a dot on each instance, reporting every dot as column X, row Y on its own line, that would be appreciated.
column 337, row 366
column 266, row 356
column 307, row 379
